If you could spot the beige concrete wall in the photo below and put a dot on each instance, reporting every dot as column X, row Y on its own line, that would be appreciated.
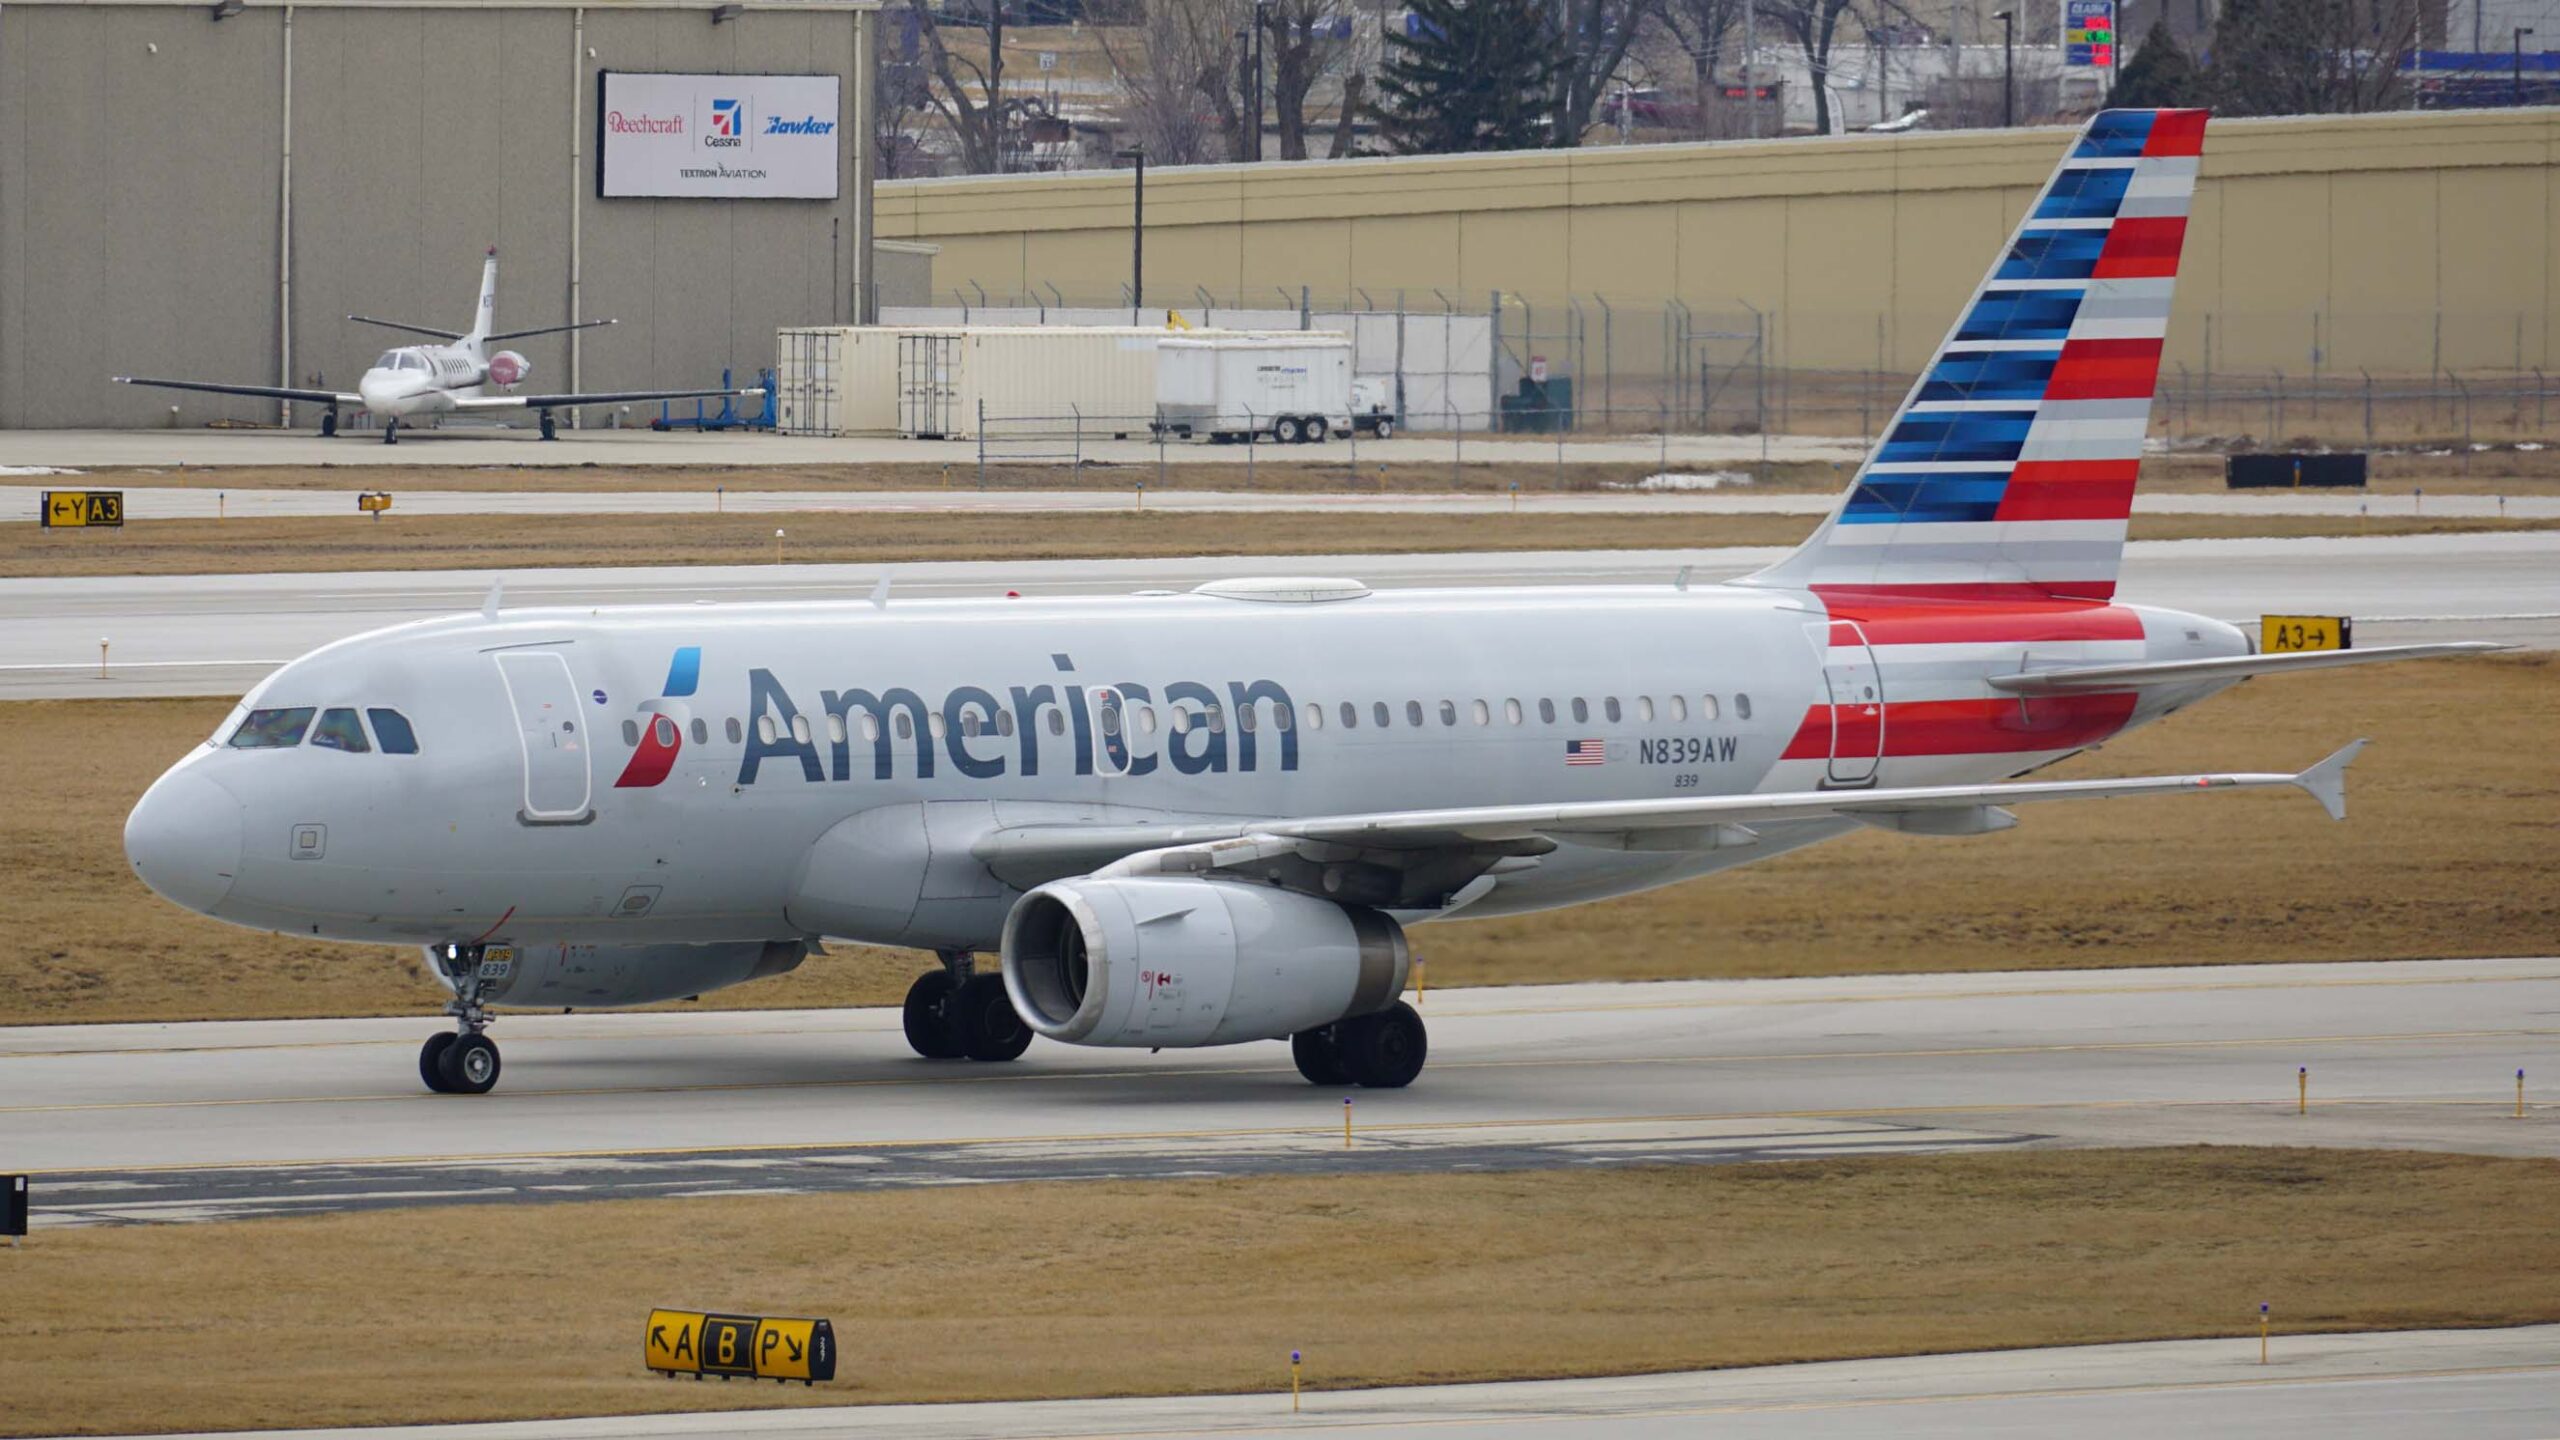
column 2401, row 241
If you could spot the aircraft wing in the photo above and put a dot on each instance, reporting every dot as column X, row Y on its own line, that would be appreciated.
column 1421, row 850
column 270, row 392
column 2175, row 672
column 600, row 397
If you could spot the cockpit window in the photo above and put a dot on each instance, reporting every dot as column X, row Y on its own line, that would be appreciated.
column 392, row 729
column 390, row 361
column 338, row 730
column 272, row 729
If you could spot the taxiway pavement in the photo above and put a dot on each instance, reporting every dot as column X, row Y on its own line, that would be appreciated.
column 162, row 1123
column 218, row 634
column 491, row 446
column 2481, row 1384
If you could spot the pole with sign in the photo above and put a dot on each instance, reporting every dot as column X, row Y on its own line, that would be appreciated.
column 81, row 509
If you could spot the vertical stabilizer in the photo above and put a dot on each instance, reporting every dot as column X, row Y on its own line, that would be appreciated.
column 484, row 319
column 2009, row 470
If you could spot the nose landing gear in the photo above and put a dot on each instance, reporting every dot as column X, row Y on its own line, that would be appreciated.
column 390, row 429
column 463, row 1061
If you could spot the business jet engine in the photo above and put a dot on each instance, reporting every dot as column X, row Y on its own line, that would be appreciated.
column 1182, row 962
column 609, row 975
column 507, row 369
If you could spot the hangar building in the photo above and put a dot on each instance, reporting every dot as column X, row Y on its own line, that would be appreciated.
column 207, row 190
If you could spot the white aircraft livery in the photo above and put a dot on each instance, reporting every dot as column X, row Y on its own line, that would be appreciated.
column 1211, row 817
column 458, row 377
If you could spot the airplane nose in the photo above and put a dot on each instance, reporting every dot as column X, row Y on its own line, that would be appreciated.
column 183, row 838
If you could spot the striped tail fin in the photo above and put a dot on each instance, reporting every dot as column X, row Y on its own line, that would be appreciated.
column 2008, row 472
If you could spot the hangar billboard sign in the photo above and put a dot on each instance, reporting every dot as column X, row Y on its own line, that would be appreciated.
column 724, row 137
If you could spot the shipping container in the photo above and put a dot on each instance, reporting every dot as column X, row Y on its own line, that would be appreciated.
column 940, row 382
column 1294, row 387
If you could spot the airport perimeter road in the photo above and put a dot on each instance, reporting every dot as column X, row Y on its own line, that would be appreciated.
column 216, row 635
column 2481, row 1384
column 176, row 503
column 460, row 445
column 164, row 1123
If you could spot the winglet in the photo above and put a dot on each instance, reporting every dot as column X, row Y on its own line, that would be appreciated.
column 880, row 594
column 489, row 607
column 2326, row 782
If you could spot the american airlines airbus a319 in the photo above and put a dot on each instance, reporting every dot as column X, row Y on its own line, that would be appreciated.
column 460, row 377
column 1211, row 817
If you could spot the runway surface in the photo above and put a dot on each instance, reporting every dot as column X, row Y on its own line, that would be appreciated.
column 167, row 1123
column 473, row 445
column 23, row 502
column 217, row 635
column 2481, row 1384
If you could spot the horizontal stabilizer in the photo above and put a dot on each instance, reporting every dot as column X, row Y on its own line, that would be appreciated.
column 547, row 330
column 428, row 330
column 2236, row 667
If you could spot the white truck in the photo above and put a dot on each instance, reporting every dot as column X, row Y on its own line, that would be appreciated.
column 1290, row 388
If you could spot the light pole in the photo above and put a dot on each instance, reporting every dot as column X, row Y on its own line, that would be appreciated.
column 2521, row 32
column 1137, row 232
column 2008, row 67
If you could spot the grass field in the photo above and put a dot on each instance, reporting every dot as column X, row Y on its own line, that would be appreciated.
column 2452, row 840
column 459, row 542
column 1016, row 1291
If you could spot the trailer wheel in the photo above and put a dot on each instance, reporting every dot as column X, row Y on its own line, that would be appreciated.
column 1317, row 429
column 1385, row 428
column 1285, row 429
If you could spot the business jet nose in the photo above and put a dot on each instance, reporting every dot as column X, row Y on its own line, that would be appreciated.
column 183, row 838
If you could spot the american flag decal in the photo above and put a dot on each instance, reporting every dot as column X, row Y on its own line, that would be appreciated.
column 1586, row 752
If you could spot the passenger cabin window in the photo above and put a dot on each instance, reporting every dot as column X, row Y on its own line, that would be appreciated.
column 1547, row 712
column 1511, row 711
column 1448, row 712
column 733, row 730
column 1483, row 713
column 1350, row 716
column 1581, row 710
column 766, row 730
column 1741, row 706
column 1413, row 713
column 391, row 729
column 272, row 729
column 702, row 732
column 1217, row 720
column 340, row 730
column 631, row 733
column 1380, row 713
column 1280, row 718
column 1680, row 708
column 1644, row 709
column 1609, row 707
column 1707, row 708
column 835, row 727
column 1315, row 716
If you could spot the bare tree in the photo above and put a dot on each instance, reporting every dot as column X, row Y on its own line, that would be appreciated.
column 1171, row 67
column 1704, row 29
column 2309, row 57
column 1593, row 36
column 976, row 121
column 1813, row 25
column 1301, row 40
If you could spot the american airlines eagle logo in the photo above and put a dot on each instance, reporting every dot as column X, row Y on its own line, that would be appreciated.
column 663, row 721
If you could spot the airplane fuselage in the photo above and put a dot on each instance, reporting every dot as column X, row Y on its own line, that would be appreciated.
column 690, row 774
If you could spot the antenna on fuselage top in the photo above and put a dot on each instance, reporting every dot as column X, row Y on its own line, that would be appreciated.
column 880, row 594
column 489, row 606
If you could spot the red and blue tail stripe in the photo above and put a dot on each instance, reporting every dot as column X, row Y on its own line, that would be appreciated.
column 2009, row 469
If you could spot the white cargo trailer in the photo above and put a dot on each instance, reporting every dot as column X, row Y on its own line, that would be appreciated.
column 937, row 382
column 1291, row 388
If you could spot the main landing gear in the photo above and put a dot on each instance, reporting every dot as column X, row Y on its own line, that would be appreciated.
column 465, row 1060
column 1383, row 1051
column 954, row 1012
column 329, row 423
column 550, row 427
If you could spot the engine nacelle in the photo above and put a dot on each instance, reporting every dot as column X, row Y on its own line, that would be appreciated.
column 508, row 369
column 610, row 975
column 1181, row 962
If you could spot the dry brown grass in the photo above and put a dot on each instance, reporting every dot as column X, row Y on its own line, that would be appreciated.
column 422, row 542
column 1017, row 1291
column 2450, row 851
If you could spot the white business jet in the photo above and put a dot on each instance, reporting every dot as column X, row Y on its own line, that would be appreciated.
column 461, row 377
column 1211, row 818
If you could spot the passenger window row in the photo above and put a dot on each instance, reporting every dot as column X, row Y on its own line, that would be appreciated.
column 1673, row 709
column 336, row 728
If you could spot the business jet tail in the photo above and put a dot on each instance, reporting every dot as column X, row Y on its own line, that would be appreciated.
column 484, row 319
column 2008, row 472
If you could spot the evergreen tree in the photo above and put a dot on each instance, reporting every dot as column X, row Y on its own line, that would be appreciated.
column 1474, row 75
column 2160, row 76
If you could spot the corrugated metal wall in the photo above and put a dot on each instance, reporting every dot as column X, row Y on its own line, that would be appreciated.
column 140, row 181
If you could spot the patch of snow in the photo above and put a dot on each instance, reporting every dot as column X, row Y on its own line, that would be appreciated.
column 34, row 470
column 1712, row 480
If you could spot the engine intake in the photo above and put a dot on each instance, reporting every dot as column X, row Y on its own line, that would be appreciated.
column 1184, row 962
